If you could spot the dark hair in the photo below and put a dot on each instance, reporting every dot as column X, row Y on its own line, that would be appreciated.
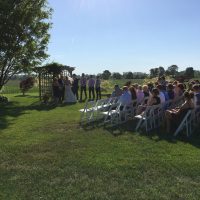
column 155, row 91
column 188, row 95
column 196, row 87
column 181, row 86
column 170, row 87
column 159, row 87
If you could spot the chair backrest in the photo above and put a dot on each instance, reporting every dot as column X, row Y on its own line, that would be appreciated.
column 100, row 103
column 90, row 105
column 185, row 123
column 144, row 101
column 147, row 111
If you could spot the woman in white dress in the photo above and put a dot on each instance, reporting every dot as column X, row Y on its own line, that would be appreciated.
column 69, row 96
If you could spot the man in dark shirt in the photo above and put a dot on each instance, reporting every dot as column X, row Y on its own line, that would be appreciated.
column 75, row 86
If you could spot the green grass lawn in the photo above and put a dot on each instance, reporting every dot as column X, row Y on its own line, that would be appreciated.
column 45, row 154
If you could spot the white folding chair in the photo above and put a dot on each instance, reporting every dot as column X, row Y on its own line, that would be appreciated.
column 101, row 105
column 130, row 110
column 87, row 113
column 113, row 114
column 186, row 124
column 145, row 119
column 157, row 114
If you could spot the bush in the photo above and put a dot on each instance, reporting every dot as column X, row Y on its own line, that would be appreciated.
column 3, row 99
column 26, row 84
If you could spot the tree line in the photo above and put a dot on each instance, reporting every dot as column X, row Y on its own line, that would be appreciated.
column 154, row 72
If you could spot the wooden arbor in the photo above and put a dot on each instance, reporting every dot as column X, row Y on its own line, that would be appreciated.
column 46, row 75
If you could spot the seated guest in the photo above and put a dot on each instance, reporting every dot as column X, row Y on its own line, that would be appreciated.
column 161, row 93
column 133, row 93
column 177, row 114
column 154, row 99
column 135, row 85
column 170, row 91
column 117, row 91
column 165, row 93
column 140, row 94
column 196, row 90
column 125, row 98
column 145, row 90
column 179, row 90
column 150, row 86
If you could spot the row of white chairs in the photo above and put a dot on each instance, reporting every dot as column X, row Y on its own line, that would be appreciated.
column 113, row 112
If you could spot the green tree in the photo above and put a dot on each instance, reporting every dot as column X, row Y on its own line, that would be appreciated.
column 172, row 70
column 154, row 72
column 24, row 36
column 161, row 71
column 128, row 75
column 189, row 72
column 116, row 75
column 106, row 74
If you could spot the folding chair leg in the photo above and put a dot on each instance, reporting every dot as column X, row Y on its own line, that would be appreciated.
column 138, row 125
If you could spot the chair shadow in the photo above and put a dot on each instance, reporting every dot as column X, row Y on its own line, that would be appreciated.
column 157, row 135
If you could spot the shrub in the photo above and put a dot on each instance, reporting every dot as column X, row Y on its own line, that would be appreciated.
column 26, row 84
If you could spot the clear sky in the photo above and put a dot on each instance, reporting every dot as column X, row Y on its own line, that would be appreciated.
column 125, row 35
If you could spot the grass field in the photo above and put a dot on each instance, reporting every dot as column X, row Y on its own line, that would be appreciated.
column 45, row 154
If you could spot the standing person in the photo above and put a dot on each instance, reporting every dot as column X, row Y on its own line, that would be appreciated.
column 83, row 86
column 69, row 96
column 56, row 92
column 91, row 84
column 75, row 86
column 98, row 87
column 61, row 83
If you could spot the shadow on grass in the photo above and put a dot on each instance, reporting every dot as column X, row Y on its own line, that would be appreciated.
column 21, row 95
column 14, row 109
column 157, row 135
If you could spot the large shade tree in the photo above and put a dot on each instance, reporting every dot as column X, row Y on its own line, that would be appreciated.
column 24, row 26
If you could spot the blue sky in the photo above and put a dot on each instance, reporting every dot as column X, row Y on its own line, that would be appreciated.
column 125, row 35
